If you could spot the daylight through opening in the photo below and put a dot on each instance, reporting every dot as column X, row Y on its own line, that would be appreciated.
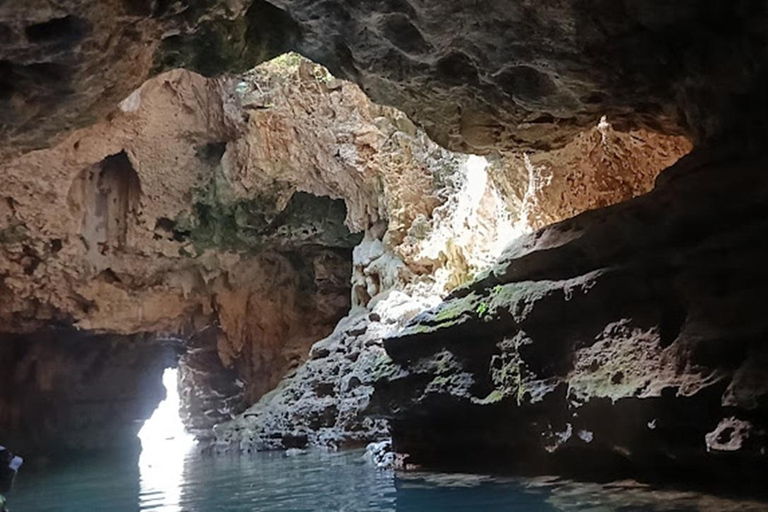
column 164, row 446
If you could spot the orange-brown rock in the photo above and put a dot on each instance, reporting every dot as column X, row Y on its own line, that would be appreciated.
column 205, row 203
column 600, row 167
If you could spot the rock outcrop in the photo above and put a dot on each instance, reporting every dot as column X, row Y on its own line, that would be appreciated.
column 63, row 390
column 218, row 212
column 626, row 339
column 440, row 233
column 66, row 65
column 517, row 74
column 599, row 168
column 138, row 225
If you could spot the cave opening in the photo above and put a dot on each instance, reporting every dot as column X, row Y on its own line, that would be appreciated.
column 165, row 443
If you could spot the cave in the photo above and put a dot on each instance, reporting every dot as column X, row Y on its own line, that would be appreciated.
column 455, row 256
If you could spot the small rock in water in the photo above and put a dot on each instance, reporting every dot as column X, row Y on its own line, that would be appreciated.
column 381, row 455
column 376, row 452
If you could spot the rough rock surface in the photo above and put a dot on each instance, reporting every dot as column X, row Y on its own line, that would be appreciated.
column 64, row 390
column 523, row 73
column 480, row 78
column 221, row 213
column 133, row 225
column 600, row 167
column 507, row 75
column 66, row 64
column 323, row 403
column 625, row 339
column 213, row 203
column 396, row 277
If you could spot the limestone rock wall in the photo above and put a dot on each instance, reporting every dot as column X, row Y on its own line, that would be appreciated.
column 64, row 391
column 626, row 340
column 204, row 203
column 599, row 168
column 445, row 219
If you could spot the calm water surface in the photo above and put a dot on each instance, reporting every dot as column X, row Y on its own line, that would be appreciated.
column 320, row 482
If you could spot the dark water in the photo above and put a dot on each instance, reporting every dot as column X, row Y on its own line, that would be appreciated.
column 320, row 482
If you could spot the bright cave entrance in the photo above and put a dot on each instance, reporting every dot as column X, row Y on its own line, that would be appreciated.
column 165, row 444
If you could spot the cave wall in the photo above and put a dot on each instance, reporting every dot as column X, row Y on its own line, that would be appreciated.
column 600, row 167
column 224, row 209
column 66, row 391
column 625, row 341
column 294, row 300
column 66, row 65
column 196, row 207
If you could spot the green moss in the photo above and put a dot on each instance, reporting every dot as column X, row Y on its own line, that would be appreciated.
column 220, row 220
column 507, row 375
column 516, row 298
column 493, row 397
column 419, row 329
column 429, row 329
column 13, row 234
column 452, row 310
column 384, row 368
column 289, row 61
column 322, row 75
column 440, row 381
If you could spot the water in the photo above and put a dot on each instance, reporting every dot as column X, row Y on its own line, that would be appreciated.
column 273, row 482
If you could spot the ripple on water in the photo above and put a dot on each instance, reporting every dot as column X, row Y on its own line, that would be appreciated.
column 314, row 481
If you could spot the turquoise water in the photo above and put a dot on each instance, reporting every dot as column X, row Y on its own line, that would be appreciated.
column 320, row 482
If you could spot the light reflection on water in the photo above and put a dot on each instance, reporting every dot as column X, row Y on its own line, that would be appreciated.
column 170, row 476
column 272, row 482
column 165, row 445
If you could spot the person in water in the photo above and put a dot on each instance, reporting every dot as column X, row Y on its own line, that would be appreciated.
column 9, row 466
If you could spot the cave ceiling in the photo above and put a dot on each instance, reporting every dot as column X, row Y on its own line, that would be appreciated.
column 478, row 76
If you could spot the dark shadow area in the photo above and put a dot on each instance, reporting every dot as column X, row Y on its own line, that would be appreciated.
column 65, row 391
